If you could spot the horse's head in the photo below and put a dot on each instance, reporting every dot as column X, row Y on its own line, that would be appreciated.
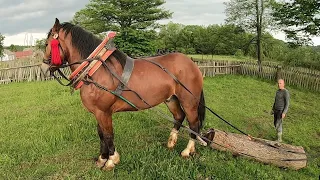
column 55, row 52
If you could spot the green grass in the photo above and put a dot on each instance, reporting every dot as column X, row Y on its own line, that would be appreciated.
column 45, row 133
column 219, row 57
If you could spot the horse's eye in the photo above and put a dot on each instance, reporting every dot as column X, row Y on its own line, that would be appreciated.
column 46, row 44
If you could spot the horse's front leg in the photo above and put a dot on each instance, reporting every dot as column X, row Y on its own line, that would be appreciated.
column 108, row 156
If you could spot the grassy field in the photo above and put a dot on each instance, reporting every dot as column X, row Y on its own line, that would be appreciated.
column 219, row 58
column 45, row 133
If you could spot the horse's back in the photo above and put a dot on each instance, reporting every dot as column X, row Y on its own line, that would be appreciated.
column 177, row 62
column 181, row 65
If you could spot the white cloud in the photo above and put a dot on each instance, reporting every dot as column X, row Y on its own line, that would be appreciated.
column 23, row 38
column 18, row 16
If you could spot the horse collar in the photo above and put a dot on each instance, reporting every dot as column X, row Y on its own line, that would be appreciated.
column 103, row 51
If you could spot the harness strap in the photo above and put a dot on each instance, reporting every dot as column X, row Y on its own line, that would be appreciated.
column 176, row 79
column 177, row 122
column 126, row 74
column 63, row 76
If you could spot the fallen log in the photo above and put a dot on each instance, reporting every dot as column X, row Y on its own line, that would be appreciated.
column 269, row 152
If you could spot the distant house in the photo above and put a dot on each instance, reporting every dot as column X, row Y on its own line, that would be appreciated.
column 7, row 55
column 24, row 54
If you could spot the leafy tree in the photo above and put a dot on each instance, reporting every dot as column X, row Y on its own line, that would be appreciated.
column 40, row 44
column 136, row 42
column 187, row 38
column 201, row 40
column 274, row 49
column 128, row 17
column 251, row 15
column 228, row 39
column 170, row 34
column 1, row 45
column 299, row 19
column 13, row 48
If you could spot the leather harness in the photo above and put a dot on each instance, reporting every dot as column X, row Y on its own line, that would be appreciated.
column 102, row 52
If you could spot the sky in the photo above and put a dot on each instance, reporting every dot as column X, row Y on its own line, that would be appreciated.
column 22, row 22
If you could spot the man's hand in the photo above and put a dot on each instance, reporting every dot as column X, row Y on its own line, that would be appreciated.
column 271, row 112
column 283, row 115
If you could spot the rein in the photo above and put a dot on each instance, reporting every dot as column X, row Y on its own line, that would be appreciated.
column 88, row 67
column 179, row 82
column 74, row 81
column 157, row 110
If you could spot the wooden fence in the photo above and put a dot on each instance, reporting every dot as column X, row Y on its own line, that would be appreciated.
column 19, row 62
column 300, row 77
column 212, row 68
column 294, row 76
column 26, row 73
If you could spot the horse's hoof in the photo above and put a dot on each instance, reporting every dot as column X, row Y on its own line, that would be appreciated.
column 171, row 144
column 101, row 162
column 189, row 150
column 115, row 158
column 172, row 139
column 109, row 165
column 185, row 153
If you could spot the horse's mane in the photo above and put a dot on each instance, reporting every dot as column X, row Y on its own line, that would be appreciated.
column 85, row 42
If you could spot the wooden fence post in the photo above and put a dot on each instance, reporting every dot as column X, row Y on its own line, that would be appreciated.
column 278, row 75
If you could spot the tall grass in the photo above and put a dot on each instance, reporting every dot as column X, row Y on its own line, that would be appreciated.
column 45, row 133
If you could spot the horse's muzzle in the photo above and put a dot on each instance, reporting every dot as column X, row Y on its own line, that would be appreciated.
column 46, row 61
column 45, row 67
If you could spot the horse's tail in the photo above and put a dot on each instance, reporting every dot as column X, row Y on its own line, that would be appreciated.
column 201, row 109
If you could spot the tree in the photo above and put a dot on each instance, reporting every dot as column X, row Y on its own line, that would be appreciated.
column 136, row 42
column 128, row 17
column 251, row 15
column 13, row 48
column 170, row 34
column 298, row 19
column 41, row 44
column 1, row 45
column 201, row 40
column 187, row 38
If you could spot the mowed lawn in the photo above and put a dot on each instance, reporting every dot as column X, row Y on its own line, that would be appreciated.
column 45, row 133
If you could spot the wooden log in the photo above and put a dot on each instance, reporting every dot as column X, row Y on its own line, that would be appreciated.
column 269, row 152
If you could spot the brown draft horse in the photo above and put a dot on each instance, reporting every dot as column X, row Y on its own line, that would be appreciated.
column 148, row 80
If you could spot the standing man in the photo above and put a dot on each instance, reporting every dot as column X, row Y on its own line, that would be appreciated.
column 280, row 107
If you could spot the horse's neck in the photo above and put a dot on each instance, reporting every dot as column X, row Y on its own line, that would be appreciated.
column 74, row 57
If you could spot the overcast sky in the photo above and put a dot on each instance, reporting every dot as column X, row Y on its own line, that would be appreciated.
column 24, row 21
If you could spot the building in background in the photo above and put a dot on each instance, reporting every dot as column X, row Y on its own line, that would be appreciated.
column 7, row 55
column 26, row 53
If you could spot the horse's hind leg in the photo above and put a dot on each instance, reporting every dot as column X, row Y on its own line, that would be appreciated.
column 174, row 106
column 194, row 125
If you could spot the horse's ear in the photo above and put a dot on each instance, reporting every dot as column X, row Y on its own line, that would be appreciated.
column 56, row 25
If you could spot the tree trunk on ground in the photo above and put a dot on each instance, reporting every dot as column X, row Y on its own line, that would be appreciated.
column 269, row 152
